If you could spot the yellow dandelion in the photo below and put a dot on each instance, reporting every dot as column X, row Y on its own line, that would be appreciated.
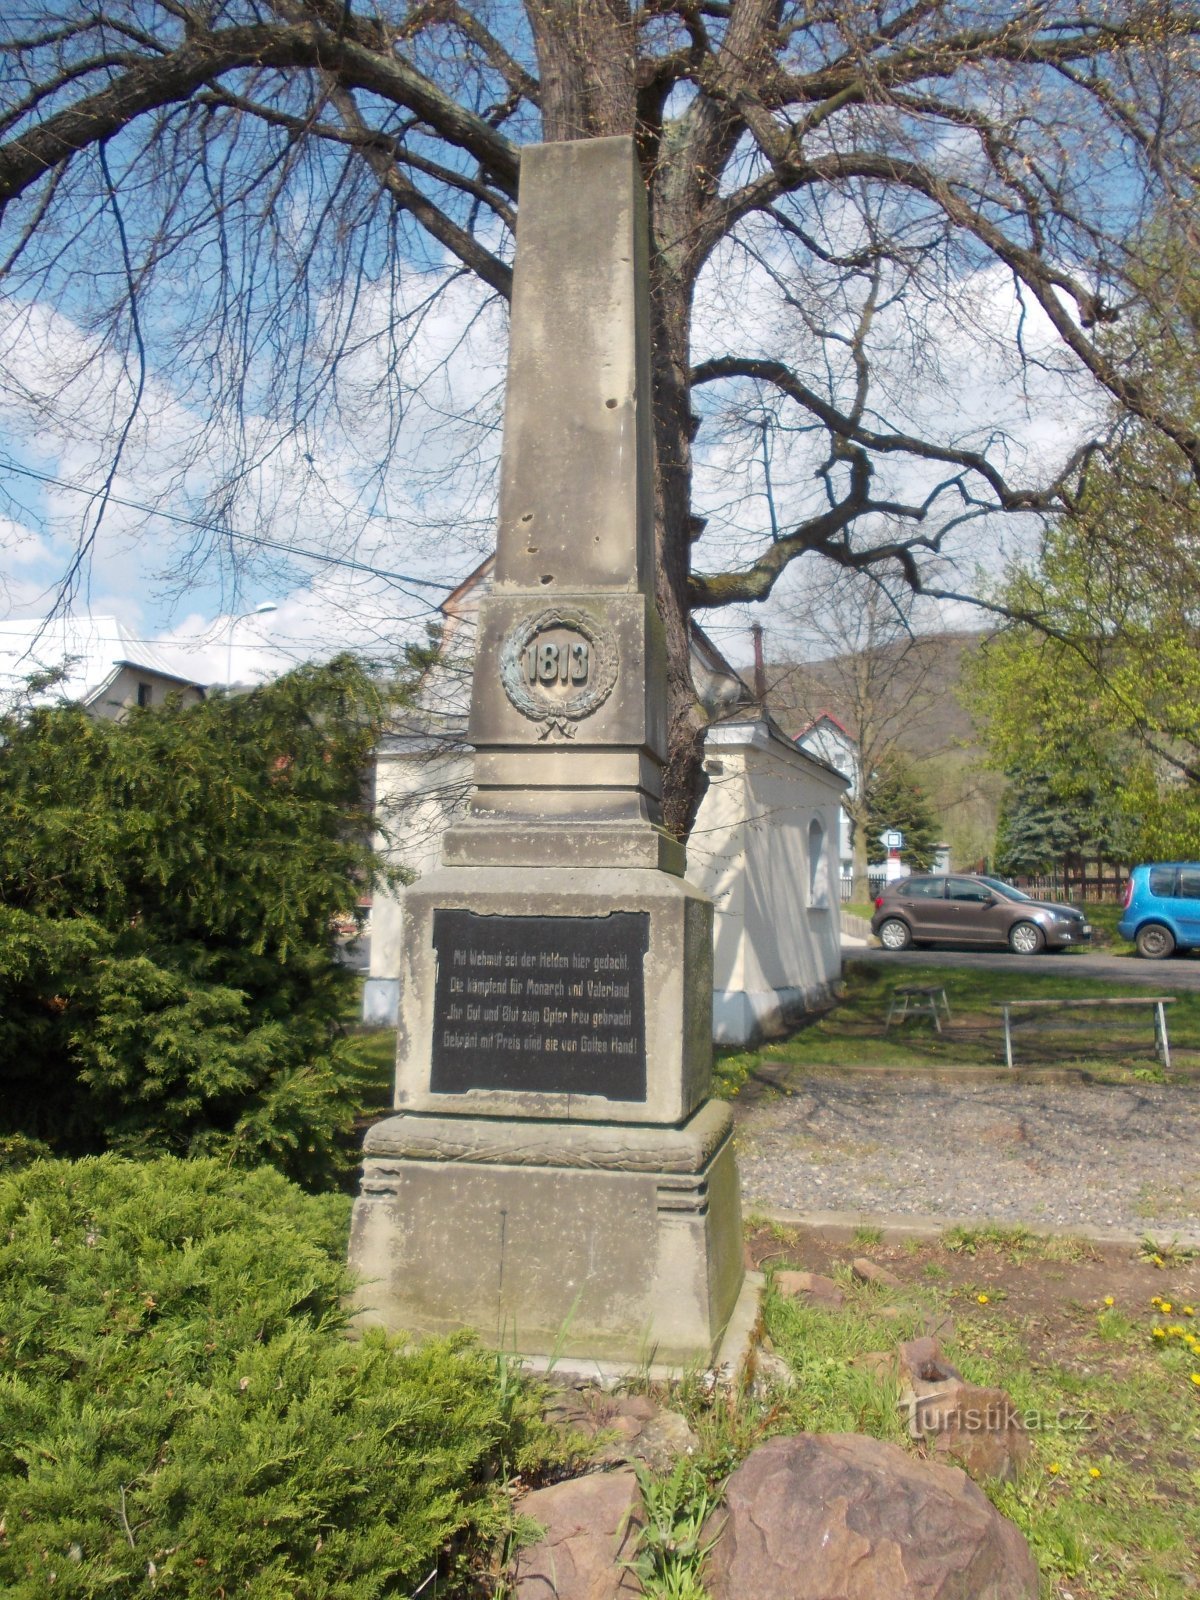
column 1093, row 1472
column 1160, row 1333
column 1189, row 1311
column 982, row 1298
column 1156, row 1301
column 1175, row 1331
column 1195, row 1380
column 1165, row 1307
column 1109, row 1301
column 1054, row 1466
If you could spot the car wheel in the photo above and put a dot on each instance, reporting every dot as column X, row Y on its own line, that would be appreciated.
column 1154, row 941
column 1025, row 939
column 895, row 934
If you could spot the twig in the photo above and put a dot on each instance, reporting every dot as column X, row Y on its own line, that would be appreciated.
column 125, row 1520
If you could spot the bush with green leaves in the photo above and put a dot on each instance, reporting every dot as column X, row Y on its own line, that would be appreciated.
column 181, row 1413
column 167, row 885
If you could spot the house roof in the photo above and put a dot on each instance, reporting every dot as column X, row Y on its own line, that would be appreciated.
column 89, row 651
column 825, row 716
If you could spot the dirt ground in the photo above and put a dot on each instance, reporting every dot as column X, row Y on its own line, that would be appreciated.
column 1048, row 1297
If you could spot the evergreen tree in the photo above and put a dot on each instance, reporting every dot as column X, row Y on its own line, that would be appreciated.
column 167, row 885
column 1041, row 827
column 896, row 800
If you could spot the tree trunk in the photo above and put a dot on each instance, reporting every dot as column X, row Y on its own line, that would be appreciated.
column 683, row 779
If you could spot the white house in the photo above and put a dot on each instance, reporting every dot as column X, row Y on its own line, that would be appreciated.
column 104, row 668
column 761, row 846
column 831, row 742
column 764, row 847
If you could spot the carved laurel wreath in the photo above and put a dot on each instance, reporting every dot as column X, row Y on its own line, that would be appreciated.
column 556, row 713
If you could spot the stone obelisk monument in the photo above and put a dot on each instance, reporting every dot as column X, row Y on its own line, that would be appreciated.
column 556, row 1176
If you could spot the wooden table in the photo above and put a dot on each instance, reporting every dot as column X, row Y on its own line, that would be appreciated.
column 918, row 999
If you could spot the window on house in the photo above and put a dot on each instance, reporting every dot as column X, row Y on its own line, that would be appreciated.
column 817, row 873
column 145, row 693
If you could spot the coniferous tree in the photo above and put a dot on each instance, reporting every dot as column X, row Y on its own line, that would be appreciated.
column 896, row 800
column 167, row 885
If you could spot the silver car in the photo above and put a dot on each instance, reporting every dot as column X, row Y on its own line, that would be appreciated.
column 931, row 908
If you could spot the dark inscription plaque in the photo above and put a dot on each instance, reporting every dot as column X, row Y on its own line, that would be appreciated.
column 554, row 1005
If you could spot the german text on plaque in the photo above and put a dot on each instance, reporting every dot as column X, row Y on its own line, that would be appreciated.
column 551, row 1005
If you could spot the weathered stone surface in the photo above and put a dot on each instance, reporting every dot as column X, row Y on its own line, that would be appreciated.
column 630, row 1427
column 820, row 1290
column 978, row 1428
column 591, row 1526
column 676, row 985
column 922, row 1362
column 936, row 1323
column 595, row 1261
column 770, row 1372
column 880, row 1363
column 844, row 1517
column 615, row 1248
column 868, row 1271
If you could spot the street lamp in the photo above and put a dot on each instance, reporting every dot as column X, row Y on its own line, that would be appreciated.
column 260, row 610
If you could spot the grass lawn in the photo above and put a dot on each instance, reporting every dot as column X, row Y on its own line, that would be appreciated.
column 1098, row 1347
column 1110, row 1041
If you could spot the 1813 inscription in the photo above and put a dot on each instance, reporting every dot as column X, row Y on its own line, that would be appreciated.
column 552, row 1005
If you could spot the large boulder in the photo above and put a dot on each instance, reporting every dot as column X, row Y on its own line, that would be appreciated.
column 590, row 1528
column 843, row 1517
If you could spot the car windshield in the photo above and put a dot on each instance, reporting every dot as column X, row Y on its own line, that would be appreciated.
column 1006, row 889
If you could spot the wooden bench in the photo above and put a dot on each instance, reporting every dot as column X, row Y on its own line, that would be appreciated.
column 1162, row 1045
column 918, row 999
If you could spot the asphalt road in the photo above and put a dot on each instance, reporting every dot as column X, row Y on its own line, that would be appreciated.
column 1176, row 974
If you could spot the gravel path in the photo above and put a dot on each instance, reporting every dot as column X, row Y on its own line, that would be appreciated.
column 1066, row 1154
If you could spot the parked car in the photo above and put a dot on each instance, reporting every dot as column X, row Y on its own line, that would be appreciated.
column 927, row 908
column 1162, row 908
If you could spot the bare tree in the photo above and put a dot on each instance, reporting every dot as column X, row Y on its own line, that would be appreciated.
column 235, row 192
column 870, row 666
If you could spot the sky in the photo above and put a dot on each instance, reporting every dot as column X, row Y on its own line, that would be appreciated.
column 346, row 556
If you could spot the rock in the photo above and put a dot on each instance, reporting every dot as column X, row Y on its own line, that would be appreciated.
column 630, row 1427
column 820, row 1290
column 662, row 1440
column 867, row 1271
column 978, row 1428
column 770, row 1372
column 922, row 1362
column 880, row 1363
column 591, row 1526
column 937, row 1323
column 844, row 1517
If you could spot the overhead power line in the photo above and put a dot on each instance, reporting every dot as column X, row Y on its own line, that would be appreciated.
column 260, row 540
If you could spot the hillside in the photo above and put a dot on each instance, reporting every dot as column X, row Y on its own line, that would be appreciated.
column 903, row 694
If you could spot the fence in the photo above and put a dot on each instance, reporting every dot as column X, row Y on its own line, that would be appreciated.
column 1108, row 884
column 1068, row 885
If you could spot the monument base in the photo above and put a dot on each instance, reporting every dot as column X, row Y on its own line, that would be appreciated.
column 618, row 1243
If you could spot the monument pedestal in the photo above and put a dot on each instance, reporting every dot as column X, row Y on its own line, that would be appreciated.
column 616, row 1243
column 556, row 1179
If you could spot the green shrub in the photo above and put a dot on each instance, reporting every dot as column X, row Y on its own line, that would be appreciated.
column 167, row 884
column 182, row 1414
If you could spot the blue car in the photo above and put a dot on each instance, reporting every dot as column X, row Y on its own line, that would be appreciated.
column 1162, row 908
